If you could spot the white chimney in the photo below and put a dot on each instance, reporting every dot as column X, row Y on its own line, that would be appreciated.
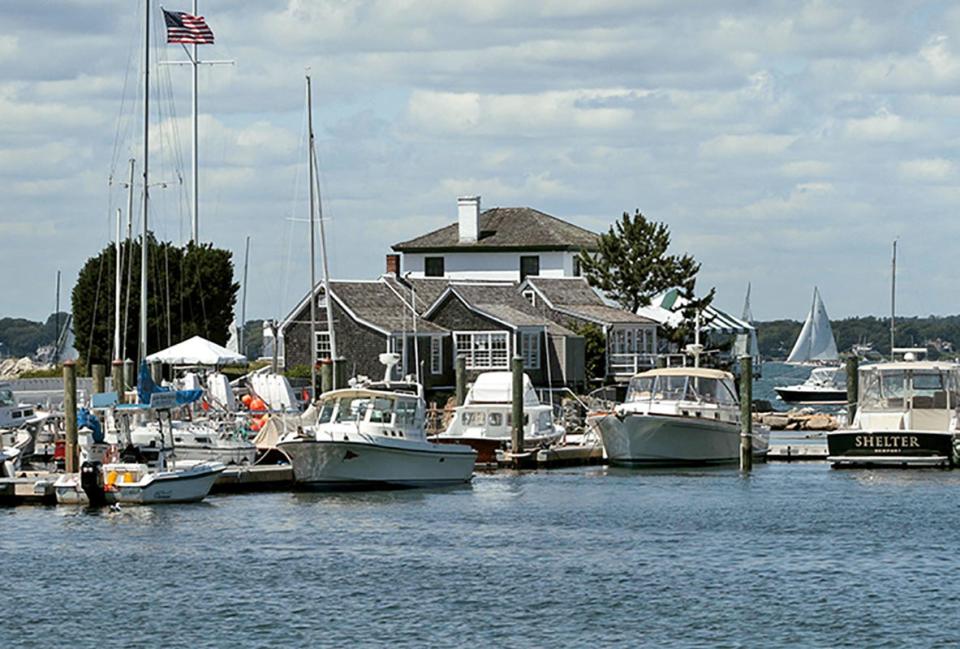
column 468, row 216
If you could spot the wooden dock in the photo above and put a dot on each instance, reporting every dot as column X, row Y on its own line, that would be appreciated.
column 785, row 452
column 29, row 488
column 259, row 477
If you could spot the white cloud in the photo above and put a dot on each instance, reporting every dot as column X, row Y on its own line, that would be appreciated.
column 927, row 170
column 756, row 144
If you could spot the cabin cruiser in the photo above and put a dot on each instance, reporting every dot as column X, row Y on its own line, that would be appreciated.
column 825, row 386
column 14, row 414
column 907, row 415
column 484, row 421
column 371, row 436
column 133, row 474
column 676, row 416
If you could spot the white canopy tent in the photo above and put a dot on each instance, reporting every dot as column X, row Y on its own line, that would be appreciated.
column 197, row 351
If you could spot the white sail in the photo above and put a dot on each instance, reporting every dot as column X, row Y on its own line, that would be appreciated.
column 815, row 342
column 746, row 343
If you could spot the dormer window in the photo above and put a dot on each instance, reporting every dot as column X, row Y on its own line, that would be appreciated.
column 531, row 296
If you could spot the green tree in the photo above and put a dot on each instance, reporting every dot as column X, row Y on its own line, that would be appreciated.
column 190, row 291
column 632, row 265
column 595, row 349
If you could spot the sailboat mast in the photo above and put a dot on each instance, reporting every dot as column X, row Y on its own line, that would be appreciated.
column 313, row 252
column 326, row 273
column 129, row 260
column 243, row 303
column 196, row 140
column 118, row 270
column 893, row 298
column 142, row 349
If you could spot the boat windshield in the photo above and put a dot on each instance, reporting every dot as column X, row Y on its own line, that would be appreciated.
column 681, row 388
column 899, row 389
column 6, row 397
column 326, row 411
column 351, row 409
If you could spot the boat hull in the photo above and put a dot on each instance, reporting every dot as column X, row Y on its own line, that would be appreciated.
column 896, row 448
column 172, row 487
column 326, row 465
column 641, row 439
column 485, row 447
column 223, row 454
column 813, row 397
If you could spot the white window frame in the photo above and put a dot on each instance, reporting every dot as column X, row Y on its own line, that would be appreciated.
column 530, row 349
column 479, row 350
column 322, row 345
column 436, row 354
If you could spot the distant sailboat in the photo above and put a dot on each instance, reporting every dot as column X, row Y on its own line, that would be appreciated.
column 816, row 343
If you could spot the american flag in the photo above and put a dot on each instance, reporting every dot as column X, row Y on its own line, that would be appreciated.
column 186, row 28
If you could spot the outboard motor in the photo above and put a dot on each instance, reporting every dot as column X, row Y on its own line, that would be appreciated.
column 91, row 481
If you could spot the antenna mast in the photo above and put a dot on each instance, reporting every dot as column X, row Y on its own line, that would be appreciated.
column 893, row 298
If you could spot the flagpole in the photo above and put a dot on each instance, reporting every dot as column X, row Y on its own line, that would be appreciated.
column 196, row 139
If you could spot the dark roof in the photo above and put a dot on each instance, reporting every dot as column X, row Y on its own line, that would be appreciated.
column 574, row 295
column 517, row 228
column 375, row 303
column 501, row 301
column 425, row 289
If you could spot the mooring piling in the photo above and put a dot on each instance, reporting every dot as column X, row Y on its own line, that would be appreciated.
column 339, row 373
column 129, row 377
column 99, row 378
column 72, row 460
column 461, row 372
column 746, row 413
column 853, row 386
column 326, row 375
column 516, row 394
column 116, row 373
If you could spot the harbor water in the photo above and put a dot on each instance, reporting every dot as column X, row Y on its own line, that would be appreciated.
column 791, row 555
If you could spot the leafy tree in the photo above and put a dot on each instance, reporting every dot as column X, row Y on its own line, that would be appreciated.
column 22, row 337
column 190, row 291
column 595, row 352
column 632, row 265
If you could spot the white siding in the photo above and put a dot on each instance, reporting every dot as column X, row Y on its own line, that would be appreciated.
column 491, row 265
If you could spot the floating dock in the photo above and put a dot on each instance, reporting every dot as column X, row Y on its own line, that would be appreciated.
column 259, row 477
column 797, row 452
column 28, row 488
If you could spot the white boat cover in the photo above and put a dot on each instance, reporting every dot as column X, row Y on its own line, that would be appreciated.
column 197, row 351
column 815, row 342
column 220, row 391
column 497, row 387
column 275, row 390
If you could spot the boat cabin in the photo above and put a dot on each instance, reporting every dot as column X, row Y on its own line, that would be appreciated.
column 13, row 414
column 685, row 392
column 908, row 396
column 396, row 414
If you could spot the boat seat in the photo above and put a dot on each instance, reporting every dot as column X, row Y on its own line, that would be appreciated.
column 881, row 420
column 938, row 420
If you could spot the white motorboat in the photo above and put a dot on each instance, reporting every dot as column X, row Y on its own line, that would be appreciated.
column 372, row 436
column 14, row 414
column 825, row 386
column 676, row 416
column 141, row 475
column 485, row 420
column 907, row 415
column 201, row 441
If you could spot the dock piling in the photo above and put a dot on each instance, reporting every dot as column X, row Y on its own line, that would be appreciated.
column 99, row 378
column 72, row 459
column 853, row 386
column 746, row 413
column 339, row 373
column 129, row 377
column 461, row 372
column 516, row 436
column 116, row 373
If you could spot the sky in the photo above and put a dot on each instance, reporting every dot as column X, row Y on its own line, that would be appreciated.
column 786, row 144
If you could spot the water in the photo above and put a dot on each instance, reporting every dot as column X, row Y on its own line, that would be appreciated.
column 793, row 555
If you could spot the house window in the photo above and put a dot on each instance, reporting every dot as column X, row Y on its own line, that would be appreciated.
column 323, row 345
column 433, row 266
column 436, row 355
column 530, row 349
column 576, row 266
column 529, row 265
column 531, row 296
column 631, row 341
column 484, row 350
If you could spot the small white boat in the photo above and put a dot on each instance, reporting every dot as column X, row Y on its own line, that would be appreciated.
column 14, row 414
column 485, row 420
column 907, row 415
column 201, row 441
column 372, row 436
column 825, row 386
column 676, row 416
column 141, row 475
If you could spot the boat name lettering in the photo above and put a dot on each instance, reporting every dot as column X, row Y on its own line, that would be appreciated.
column 887, row 441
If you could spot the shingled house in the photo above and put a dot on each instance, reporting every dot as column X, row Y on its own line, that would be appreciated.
column 631, row 339
column 503, row 243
